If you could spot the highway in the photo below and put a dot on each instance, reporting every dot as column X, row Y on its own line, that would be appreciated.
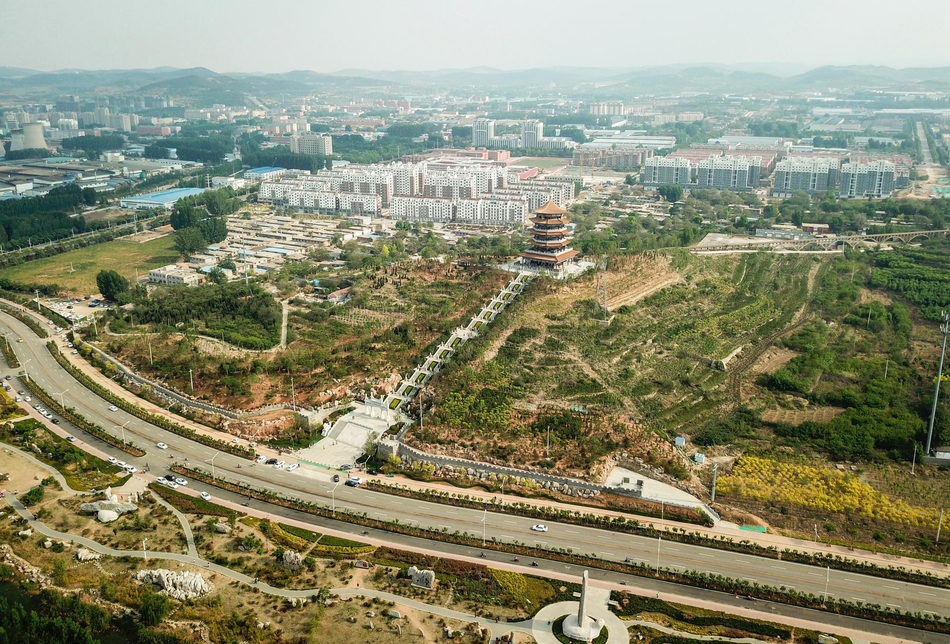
column 316, row 486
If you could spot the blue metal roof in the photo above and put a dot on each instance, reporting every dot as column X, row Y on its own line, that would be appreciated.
column 168, row 196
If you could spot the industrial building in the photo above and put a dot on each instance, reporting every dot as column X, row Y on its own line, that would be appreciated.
column 266, row 173
column 165, row 199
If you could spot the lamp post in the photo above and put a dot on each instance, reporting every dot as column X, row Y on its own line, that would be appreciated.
column 333, row 499
column 144, row 551
column 62, row 399
column 191, row 379
column 945, row 329
column 25, row 372
column 212, row 463
column 122, row 427
column 484, row 519
column 659, row 540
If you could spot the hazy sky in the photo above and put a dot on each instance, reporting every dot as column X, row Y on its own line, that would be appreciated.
column 281, row 35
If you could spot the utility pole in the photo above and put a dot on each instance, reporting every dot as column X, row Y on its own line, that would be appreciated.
column 659, row 540
column 945, row 328
column 827, row 581
column 216, row 454
column 144, row 551
column 715, row 474
column 293, row 394
column 191, row 379
column 148, row 339
column 485, row 516
column 37, row 291
column 548, row 454
column 939, row 525
column 913, row 463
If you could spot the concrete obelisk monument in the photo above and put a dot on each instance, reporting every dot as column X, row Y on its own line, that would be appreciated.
column 580, row 627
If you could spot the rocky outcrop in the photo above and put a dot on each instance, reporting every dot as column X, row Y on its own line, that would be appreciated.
column 222, row 528
column 177, row 585
column 112, row 506
column 292, row 559
column 84, row 554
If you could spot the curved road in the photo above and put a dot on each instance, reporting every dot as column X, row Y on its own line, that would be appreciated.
column 315, row 486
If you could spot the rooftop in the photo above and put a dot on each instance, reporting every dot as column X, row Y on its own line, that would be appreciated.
column 168, row 196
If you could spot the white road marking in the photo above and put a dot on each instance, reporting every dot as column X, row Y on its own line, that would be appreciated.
column 608, row 554
column 892, row 588
column 777, row 567
column 860, row 599
column 928, row 594
column 894, row 605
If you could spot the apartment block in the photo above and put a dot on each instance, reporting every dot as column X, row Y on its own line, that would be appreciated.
column 658, row 171
column 811, row 175
column 861, row 180
column 729, row 173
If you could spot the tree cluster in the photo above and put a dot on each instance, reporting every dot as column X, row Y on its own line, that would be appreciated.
column 39, row 218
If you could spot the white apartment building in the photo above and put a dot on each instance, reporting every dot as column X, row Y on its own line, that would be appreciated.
column 451, row 185
column 532, row 131
column 480, row 212
column 408, row 178
column 321, row 144
column 607, row 108
column 860, row 180
column 174, row 275
column 729, row 173
column 483, row 131
column 811, row 175
column 665, row 170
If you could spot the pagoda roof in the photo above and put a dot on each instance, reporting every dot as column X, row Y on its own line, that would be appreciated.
column 549, row 220
column 550, row 208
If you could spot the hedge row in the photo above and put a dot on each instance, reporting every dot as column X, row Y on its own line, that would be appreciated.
column 28, row 320
column 138, row 412
column 190, row 504
column 630, row 604
column 80, row 421
column 8, row 354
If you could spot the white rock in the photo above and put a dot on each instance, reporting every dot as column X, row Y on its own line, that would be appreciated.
column 177, row 585
column 84, row 554
column 107, row 516
column 25, row 533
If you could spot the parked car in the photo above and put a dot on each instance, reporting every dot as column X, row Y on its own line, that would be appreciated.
column 279, row 465
column 131, row 469
column 113, row 460
column 205, row 496
column 354, row 481
column 260, row 459
column 70, row 438
column 181, row 481
column 270, row 461
column 336, row 478
column 291, row 468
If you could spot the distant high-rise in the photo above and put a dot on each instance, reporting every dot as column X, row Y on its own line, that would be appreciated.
column 532, row 131
column 658, row 171
column 859, row 180
column 321, row 144
column 483, row 130
column 729, row 173
column 607, row 108
column 808, row 175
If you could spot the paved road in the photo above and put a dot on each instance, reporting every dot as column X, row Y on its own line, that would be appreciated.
column 858, row 630
column 315, row 486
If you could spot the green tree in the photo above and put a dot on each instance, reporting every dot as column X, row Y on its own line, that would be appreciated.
column 153, row 609
column 184, row 215
column 89, row 196
column 189, row 241
column 213, row 229
column 111, row 284
column 217, row 276
column 670, row 192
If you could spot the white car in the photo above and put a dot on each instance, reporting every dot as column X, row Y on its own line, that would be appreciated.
column 235, row 440
column 539, row 527
column 181, row 481
column 279, row 465
column 260, row 459
column 291, row 468
column 205, row 496
column 28, row 399
column 121, row 464
column 161, row 445
column 113, row 408
column 113, row 460
column 131, row 469
column 74, row 352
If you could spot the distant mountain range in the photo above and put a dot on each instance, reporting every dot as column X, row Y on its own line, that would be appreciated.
column 200, row 84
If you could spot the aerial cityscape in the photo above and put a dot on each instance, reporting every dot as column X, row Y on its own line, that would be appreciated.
column 497, row 324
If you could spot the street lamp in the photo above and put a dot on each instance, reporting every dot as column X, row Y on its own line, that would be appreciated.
column 212, row 463
column 62, row 399
column 122, row 427
column 333, row 499
column 25, row 372
column 659, row 540
column 144, row 551
column 484, row 518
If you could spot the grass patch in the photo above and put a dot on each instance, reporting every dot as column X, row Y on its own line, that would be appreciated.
column 337, row 542
column 82, row 471
column 303, row 533
column 122, row 255
column 190, row 504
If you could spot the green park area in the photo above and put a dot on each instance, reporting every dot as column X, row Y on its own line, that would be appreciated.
column 76, row 270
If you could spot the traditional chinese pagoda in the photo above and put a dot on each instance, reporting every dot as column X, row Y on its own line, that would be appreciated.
column 550, row 238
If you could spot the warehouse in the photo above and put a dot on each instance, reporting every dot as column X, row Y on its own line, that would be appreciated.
column 165, row 199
